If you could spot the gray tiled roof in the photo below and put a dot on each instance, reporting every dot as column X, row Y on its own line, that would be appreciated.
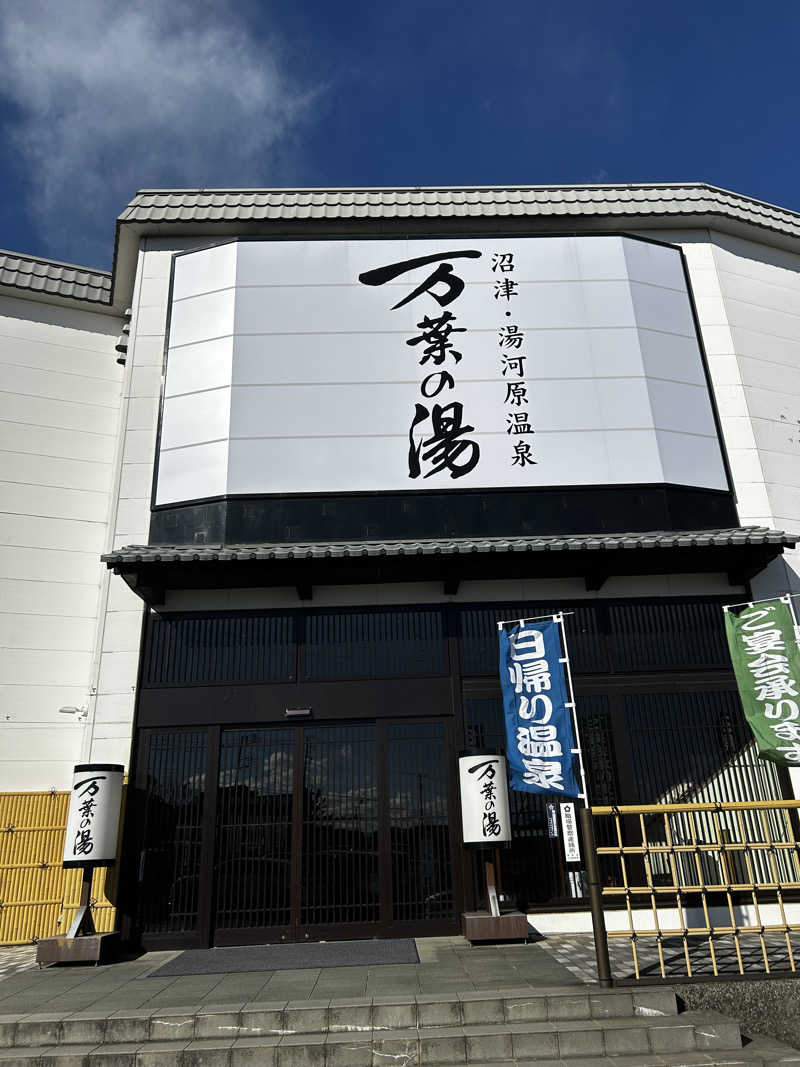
column 252, row 205
column 56, row 279
column 746, row 535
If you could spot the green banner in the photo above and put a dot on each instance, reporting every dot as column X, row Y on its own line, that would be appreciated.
column 766, row 659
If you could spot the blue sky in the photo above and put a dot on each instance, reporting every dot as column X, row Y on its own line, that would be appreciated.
column 101, row 97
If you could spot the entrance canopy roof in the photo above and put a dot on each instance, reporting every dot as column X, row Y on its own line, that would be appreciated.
column 741, row 552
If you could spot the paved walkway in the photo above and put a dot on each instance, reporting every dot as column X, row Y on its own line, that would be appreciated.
column 447, row 965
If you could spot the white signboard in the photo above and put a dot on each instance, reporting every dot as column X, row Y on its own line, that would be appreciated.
column 459, row 363
column 569, row 828
column 93, row 820
column 485, row 817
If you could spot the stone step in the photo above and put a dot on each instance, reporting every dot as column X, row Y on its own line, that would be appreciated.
column 669, row 1039
column 348, row 1016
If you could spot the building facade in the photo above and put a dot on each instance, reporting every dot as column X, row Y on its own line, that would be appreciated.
column 352, row 431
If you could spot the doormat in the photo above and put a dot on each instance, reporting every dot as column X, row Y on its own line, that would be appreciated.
column 290, row 957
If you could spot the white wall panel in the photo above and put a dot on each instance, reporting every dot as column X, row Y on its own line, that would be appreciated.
column 38, row 703
column 23, row 596
column 59, row 401
column 139, row 445
column 747, row 289
column 113, row 749
column 61, row 414
column 46, row 632
column 199, row 417
column 777, row 435
column 665, row 355
column 661, row 309
column 759, row 345
column 118, row 672
column 151, row 321
column 31, row 531
column 143, row 415
column 44, row 667
column 113, row 709
column 47, row 565
column 202, row 470
column 779, row 377
column 43, row 440
column 681, row 408
column 783, row 468
column 208, row 365
column 146, row 380
column 17, row 775
column 202, row 318
column 204, row 271
column 132, row 515
column 47, row 355
column 80, row 388
column 44, row 744
column 54, row 470
column 122, row 629
column 136, row 481
column 646, row 263
column 55, row 503
column 149, row 350
column 763, row 320
column 681, row 452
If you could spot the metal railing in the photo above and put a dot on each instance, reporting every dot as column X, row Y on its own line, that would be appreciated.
column 705, row 889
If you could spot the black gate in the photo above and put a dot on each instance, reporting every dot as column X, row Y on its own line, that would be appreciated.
column 285, row 833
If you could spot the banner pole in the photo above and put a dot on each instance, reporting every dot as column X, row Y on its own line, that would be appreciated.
column 559, row 619
column 764, row 600
column 531, row 618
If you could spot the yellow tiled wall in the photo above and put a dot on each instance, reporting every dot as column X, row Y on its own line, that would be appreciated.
column 38, row 898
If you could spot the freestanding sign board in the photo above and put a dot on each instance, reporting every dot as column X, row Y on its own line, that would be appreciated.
column 484, row 799
column 93, row 821
column 486, row 822
column 90, row 841
column 762, row 638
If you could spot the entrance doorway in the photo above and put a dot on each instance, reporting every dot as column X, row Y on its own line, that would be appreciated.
column 296, row 832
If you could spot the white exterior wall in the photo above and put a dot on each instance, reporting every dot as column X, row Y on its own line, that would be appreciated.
column 747, row 297
column 77, row 446
column 59, row 410
column 109, row 729
column 761, row 296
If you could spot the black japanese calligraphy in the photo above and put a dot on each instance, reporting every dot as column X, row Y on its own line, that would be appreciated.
column 523, row 455
column 505, row 288
column 454, row 286
column 442, row 445
column 517, row 423
column 87, row 790
column 436, row 338
column 490, row 823
column 512, row 361
column 445, row 447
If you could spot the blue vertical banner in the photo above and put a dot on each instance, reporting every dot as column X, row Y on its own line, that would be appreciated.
column 539, row 735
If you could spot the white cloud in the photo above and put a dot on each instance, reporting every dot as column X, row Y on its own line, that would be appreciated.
column 110, row 96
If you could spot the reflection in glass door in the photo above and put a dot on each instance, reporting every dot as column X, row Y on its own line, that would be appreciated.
column 339, row 881
column 422, row 884
column 284, row 833
column 254, row 830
